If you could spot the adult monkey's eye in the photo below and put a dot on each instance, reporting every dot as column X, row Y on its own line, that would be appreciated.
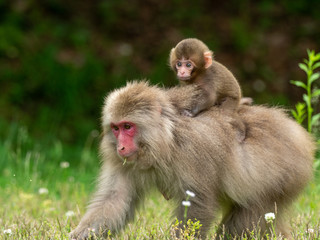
column 127, row 126
column 179, row 64
column 114, row 127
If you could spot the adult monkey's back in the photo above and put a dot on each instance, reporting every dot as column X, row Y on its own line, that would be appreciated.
column 147, row 144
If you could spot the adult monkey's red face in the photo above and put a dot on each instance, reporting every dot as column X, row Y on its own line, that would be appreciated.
column 125, row 133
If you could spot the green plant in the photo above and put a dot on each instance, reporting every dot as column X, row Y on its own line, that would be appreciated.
column 305, row 110
column 300, row 113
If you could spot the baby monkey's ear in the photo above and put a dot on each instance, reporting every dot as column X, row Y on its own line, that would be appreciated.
column 208, row 58
column 172, row 54
column 172, row 58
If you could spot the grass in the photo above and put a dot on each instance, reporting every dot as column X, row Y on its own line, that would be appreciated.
column 44, row 198
column 30, row 213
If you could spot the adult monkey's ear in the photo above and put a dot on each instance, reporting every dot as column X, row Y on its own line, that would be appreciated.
column 207, row 58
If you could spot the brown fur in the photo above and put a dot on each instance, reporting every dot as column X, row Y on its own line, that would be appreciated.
column 177, row 153
column 217, row 83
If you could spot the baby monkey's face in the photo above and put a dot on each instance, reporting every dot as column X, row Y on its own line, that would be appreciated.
column 184, row 69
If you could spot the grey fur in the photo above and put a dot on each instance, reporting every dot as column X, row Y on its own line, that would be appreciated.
column 244, row 180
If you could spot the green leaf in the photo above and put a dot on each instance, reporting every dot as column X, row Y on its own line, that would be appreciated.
column 316, row 65
column 294, row 114
column 304, row 67
column 314, row 77
column 309, row 52
column 300, row 107
column 316, row 93
column 315, row 118
column 306, row 99
column 299, row 115
column 299, row 84
column 311, row 55
column 316, row 57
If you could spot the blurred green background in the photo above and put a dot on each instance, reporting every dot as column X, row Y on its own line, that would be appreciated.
column 58, row 59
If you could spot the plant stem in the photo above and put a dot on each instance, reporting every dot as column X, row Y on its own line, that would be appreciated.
column 309, row 97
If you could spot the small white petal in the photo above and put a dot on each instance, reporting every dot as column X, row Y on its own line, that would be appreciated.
column 64, row 164
column 7, row 231
column 43, row 191
column 191, row 194
column 70, row 213
column 186, row 203
column 310, row 230
column 269, row 217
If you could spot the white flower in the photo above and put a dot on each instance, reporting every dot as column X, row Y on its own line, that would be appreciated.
column 70, row 213
column 43, row 191
column 64, row 164
column 269, row 217
column 186, row 203
column 7, row 231
column 191, row 194
column 91, row 230
column 310, row 230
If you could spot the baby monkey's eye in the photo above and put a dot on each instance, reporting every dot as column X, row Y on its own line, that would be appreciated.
column 127, row 126
column 189, row 65
column 179, row 64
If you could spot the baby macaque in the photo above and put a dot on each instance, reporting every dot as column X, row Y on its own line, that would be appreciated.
column 193, row 63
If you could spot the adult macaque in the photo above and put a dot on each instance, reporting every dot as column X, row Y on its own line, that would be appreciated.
column 162, row 149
